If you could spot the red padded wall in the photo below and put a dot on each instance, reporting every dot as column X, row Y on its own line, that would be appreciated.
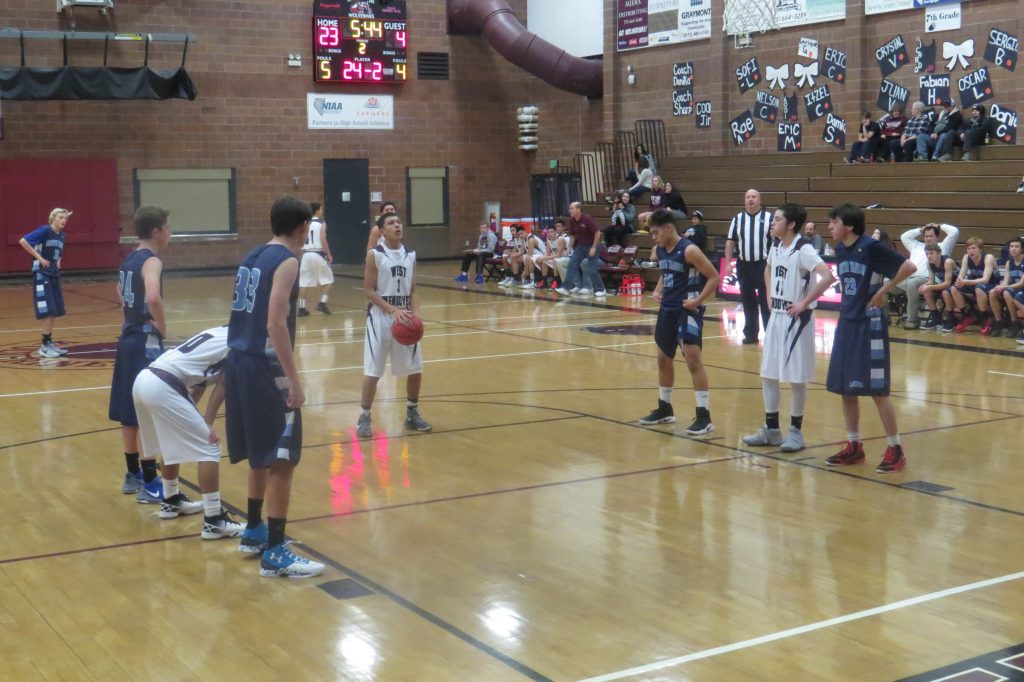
column 30, row 188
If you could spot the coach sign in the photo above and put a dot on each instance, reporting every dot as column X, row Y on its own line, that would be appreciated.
column 349, row 112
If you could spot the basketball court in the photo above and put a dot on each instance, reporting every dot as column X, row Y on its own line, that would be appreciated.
column 538, row 532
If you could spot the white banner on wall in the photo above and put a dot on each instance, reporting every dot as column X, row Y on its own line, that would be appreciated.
column 884, row 6
column 942, row 18
column 325, row 111
column 647, row 23
column 803, row 12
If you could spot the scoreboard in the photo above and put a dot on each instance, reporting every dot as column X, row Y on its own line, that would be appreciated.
column 360, row 42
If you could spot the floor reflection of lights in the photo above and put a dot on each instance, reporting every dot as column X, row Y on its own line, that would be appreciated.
column 348, row 469
column 732, row 321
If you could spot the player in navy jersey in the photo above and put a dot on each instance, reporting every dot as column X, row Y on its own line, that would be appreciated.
column 687, row 280
column 978, row 276
column 46, row 246
column 860, row 350
column 262, row 387
column 942, row 272
column 140, row 288
column 1012, row 281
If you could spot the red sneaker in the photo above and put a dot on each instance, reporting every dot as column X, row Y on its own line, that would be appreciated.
column 963, row 324
column 892, row 461
column 852, row 453
column 986, row 328
column 539, row 285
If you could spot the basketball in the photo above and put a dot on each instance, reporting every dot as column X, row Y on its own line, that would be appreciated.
column 409, row 333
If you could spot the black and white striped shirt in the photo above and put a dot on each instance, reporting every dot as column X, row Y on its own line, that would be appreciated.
column 752, row 233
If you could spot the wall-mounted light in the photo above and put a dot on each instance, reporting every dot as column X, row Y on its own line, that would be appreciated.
column 294, row 59
column 630, row 75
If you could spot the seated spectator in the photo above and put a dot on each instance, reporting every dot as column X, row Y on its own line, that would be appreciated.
column 640, row 152
column 644, row 183
column 977, row 277
column 697, row 232
column 869, row 139
column 973, row 132
column 673, row 201
column 919, row 258
column 945, row 133
column 483, row 250
column 513, row 258
column 942, row 272
column 623, row 220
column 816, row 240
column 1020, row 187
column 919, row 127
column 892, row 125
column 1003, row 294
column 655, row 201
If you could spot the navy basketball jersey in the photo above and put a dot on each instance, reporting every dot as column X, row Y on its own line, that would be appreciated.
column 137, row 317
column 976, row 270
column 1015, row 269
column 247, row 328
column 939, row 271
column 49, row 244
column 856, row 265
column 680, row 280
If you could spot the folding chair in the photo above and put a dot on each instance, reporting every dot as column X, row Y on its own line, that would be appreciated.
column 492, row 265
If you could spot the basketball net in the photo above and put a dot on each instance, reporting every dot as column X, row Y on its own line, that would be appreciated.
column 743, row 17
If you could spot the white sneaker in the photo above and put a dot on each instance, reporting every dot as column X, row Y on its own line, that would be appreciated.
column 764, row 436
column 794, row 441
column 574, row 290
column 281, row 561
column 527, row 284
column 584, row 292
column 48, row 351
column 600, row 294
column 562, row 291
column 221, row 527
column 505, row 282
column 179, row 505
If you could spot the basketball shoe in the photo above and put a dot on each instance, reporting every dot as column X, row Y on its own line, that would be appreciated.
column 178, row 505
column 701, row 423
column 221, row 526
column 794, row 440
column 764, row 436
column 662, row 414
column 364, row 427
column 151, row 493
column 414, row 421
column 852, row 453
column 281, row 561
column 892, row 461
column 132, row 482
column 254, row 540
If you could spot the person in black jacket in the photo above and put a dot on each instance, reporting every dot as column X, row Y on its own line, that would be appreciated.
column 946, row 132
column 974, row 130
column 869, row 139
column 697, row 232
column 673, row 201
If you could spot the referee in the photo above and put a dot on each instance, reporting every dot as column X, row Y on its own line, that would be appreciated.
column 750, row 230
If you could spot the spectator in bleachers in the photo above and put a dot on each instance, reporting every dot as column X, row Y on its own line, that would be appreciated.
column 977, row 277
column 640, row 152
column 892, row 125
column 586, row 240
column 673, row 201
column 973, row 132
column 644, row 183
column 483, row 250
column 816, row 240
column 942, row 272
column 655, row 201
column 513, row 258
column 945, row 132
column 1020, row 187
column 697, row 232
column 623, row 220
column 869, row 139
column 918, row 127
column 1013, row 282
column 919, row 258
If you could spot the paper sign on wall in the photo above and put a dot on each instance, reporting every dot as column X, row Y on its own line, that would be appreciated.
column 975, row 87
column 942, row 18
column 742, row 128
column 704, row 114
column 892, row 95
column 790, row 138
column 767, row 106
column 892, row 55
column 833, row 66
column 818, row 102
column 808, row 48
column 1002, row 49
column 934, row 89
column 748, row 75
column 835, row 131
column 1004, row 124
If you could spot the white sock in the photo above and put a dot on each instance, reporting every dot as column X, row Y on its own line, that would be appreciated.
column 211, row 504
column 364, row 411
column 302, row 303
column 665, row 393
column 798, row 399
column 893, row 440
column 703, row 398
column 852, row 436
column 323, row 299
column 770, row 393
column 170, row 487
column 412, row 404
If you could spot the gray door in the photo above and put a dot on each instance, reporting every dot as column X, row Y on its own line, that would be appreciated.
column 347, row 208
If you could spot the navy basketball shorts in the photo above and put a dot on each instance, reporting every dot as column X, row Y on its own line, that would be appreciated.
column 1018, row 296
column 47, row 295
column 679, row 326
column 134, row 353
column 260, row 426
column 970, row 289
column 860, row 357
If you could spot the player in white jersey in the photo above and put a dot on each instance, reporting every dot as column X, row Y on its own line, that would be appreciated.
column 376, row 237
column 788, row 352
column 391, row 291
column 535, row 249
column 166, row 395
column 315, row 268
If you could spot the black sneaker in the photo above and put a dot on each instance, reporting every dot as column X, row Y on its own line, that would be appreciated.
column 701, row 423
column 661, row 415
column 322, row 307
column 934, row 321
column 302, row 312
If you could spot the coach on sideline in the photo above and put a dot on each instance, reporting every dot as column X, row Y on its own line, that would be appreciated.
column 750, row 230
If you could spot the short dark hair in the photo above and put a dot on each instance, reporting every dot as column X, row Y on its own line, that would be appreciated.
column 314, row 206
column 931, row 227
column 642, row 162
column 794, row 213
column 1019, row 240
column 289, row 214
column 663, row 217
column 865, row 114
column 933, row 248
column 383, row 217
column 150, row 218
column 560, row 222
column 389, row 203
column 850, row 215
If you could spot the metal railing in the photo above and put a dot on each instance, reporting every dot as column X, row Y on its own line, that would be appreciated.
column 650, row 132
column 591, row 179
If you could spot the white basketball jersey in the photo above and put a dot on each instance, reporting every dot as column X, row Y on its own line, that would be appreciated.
column 198, row 359
column 314, row 238
column 394, row 274
column 791, row 267
column 540, row 247
column 565, row 239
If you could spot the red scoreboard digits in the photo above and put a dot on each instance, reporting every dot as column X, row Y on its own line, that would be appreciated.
column 360, row 42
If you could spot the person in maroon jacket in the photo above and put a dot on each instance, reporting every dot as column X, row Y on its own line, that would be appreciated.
column 586, row 240
column 892, row 126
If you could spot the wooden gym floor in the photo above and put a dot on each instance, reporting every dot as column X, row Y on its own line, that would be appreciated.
column 538, row 532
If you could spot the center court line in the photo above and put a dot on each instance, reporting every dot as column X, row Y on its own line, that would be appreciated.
column 1005, row 374
column 820, row 625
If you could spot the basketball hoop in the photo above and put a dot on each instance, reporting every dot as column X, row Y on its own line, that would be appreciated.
column 744, row 17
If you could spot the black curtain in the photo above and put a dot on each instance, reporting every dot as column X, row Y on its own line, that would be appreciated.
column 95, row 82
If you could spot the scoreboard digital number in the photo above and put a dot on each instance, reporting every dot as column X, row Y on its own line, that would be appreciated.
column 360, row 42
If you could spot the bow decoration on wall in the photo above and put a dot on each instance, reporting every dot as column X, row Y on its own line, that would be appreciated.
column 805, row 73
column 777, row 76
column 961, row 52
